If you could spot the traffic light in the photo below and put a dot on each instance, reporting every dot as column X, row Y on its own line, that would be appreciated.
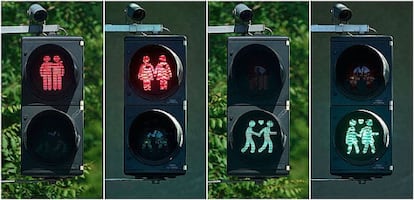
column 258, row 106
column 361, row 106
column 155, row 106
column 52, row 106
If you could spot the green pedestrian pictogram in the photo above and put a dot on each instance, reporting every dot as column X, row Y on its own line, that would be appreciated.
column 351, row 137
column 265, row 131
column 354, row 139
column 367, row 137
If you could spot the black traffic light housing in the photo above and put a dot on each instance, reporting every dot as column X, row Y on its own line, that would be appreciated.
column 155, row 105
column 361, row 106
column 258, row 103
column 52, row 106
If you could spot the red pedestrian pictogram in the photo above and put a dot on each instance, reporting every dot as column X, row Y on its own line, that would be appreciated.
column 46, row 73
column 145, row 73
column 58, row 71
column 52, row 73
column 163, row 72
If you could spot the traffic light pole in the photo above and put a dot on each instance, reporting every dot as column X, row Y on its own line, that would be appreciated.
column 153, row 181
column 360, row 180
column 47, row 180
column 255, row 180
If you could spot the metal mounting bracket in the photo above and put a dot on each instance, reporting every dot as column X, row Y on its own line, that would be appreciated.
column 30, row 29
column 341, row 28
column 134, row 28
column 237, row 28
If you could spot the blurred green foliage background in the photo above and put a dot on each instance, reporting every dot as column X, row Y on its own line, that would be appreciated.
column 78, row 19
column 285, row 19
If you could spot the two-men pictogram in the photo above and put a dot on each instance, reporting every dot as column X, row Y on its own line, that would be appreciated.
column 52, row 73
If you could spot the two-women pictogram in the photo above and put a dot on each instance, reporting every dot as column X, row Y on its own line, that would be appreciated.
column 365, row 135
column 147, row 73
column 363, row 74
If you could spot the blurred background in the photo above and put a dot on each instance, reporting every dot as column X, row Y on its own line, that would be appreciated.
column 78, row 19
